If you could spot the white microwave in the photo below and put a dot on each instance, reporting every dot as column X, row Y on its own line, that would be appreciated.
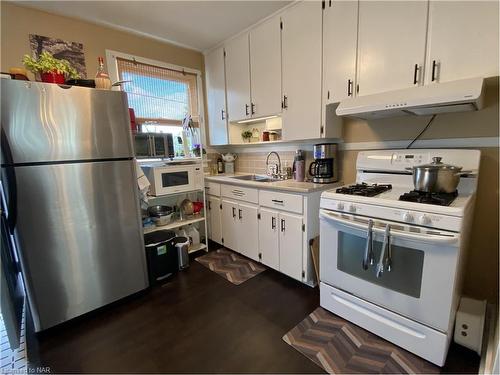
column 168, row 178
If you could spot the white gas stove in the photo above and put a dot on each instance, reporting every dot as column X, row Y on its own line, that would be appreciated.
column 390, row 257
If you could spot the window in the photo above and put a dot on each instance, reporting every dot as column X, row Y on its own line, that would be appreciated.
column 161, row 97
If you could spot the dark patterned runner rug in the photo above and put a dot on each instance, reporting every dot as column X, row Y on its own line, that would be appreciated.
column 341, row 347
column 231, row 266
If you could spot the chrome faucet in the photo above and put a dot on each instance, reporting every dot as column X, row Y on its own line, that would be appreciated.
column 276, row 173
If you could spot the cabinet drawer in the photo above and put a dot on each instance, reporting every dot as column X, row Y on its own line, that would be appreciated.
column 241, row 193
column 212, row 188
column 282, row 201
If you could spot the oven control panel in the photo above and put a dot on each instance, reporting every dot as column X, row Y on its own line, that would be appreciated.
column 409, row 217
column 408, row 159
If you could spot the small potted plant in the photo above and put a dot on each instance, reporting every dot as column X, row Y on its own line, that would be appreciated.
column 51, row 70
column 246, row 135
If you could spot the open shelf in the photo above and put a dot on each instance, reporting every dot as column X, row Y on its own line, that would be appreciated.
column 156, row 197
column 194, row 248
column 174, row 224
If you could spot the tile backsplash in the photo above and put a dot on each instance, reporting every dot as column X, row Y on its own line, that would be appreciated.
column 255, row 162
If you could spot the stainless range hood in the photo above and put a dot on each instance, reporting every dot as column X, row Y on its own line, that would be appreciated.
column 456, row 96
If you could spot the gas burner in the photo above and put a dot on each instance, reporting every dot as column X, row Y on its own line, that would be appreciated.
column 439, row 199
column 364, row 189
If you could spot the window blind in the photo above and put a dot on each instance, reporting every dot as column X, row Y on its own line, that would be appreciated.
column 159, row 94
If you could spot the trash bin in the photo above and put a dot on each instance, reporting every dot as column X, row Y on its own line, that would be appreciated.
column 182, row 246
column 161, row 255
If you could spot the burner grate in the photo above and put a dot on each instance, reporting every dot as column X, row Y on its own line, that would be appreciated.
column 364, row 189
column 439, row 199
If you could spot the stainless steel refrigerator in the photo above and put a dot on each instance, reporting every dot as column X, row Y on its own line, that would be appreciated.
column 69, row 183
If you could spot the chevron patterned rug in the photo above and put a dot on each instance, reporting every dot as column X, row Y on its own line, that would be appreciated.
column 340, row 347
column 231, row 266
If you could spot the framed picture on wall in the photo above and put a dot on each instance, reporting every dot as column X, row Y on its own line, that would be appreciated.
column 60, row 49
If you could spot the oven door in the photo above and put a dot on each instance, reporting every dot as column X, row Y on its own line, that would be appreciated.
column 174, row 179
column 421, row 282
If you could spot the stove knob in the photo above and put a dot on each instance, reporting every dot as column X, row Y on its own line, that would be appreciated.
column 424, row 220
column 340, row 206
column 352, row 208
column 408, row 217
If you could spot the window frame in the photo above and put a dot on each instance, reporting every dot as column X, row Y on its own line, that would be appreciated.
column 114, row 76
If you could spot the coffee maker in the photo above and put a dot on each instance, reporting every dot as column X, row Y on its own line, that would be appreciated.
column 324, row 169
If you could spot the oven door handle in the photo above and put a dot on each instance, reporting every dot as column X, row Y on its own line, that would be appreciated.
column 424, row 237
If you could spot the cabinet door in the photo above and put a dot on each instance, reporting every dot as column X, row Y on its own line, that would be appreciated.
column 248, row 231
column 229, row 220
column 214, row 211
column 392, row 37
column 290, row 238
column 301, row 51
column 265, row 67
column 340, row 36
column 463, row 40
column 216, row 97
column 238, row 78
column 268, row 238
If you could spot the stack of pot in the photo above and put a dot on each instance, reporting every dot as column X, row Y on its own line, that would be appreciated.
column 436, row 177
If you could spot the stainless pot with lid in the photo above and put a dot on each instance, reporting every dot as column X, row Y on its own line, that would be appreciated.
column 436, row 177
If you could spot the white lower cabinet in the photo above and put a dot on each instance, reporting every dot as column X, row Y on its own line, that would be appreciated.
column 248, row 230
column 272, row 227
column 240, row 228
column 229, row 220
column 214, row 219
column 290, row 245
column 268, row 238
column 280, row 241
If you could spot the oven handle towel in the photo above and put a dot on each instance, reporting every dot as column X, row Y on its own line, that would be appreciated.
column 368, row 256
column 385, row 255
column 441, row 239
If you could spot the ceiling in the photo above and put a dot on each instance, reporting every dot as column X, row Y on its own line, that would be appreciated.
column 197, row 25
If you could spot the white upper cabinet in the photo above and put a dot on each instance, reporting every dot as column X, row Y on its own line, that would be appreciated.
column 301, row 68
column 265, row 67
column 238, row 78
column 463, row 40
column 216, row 97
column 391, row 45
column 340, row 36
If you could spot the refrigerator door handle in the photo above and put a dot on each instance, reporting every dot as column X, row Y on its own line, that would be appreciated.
column 10, row 174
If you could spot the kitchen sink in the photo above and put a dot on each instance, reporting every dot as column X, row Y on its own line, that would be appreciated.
column 254, row 177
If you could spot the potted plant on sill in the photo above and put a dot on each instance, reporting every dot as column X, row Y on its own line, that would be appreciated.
column 50, row 69
column 246, row 135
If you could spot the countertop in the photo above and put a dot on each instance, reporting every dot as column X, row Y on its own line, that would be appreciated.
column 284, row 185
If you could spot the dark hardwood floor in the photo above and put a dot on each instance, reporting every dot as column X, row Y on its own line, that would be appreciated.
column 196, row 323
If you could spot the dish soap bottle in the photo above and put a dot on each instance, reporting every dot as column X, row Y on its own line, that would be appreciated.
column 220, row 165
column 299, row 166
column 102, row 80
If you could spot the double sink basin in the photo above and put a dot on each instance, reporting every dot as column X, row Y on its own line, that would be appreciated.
column 256, row 178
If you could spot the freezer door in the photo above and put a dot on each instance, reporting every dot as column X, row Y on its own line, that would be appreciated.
column 80, row 238
column 45, row 122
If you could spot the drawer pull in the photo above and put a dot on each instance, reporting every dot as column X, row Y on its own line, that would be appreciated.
column 277, row 201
